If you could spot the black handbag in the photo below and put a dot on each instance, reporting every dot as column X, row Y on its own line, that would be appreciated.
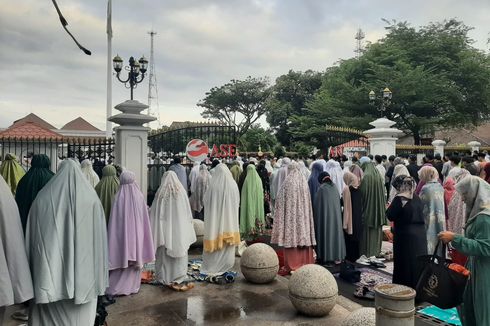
column 349, row 273
column 438, row 284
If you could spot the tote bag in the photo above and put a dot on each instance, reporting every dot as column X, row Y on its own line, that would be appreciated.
column 438, row 284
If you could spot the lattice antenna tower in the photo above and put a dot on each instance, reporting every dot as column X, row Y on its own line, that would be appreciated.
column 152, row 84
column 359, row 37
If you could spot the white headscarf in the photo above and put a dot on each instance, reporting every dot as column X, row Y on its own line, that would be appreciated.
column 66, row 239
column 202, row 184
column 15, row 275
column 89, row 172
column 304, row 170
column 336, row 174
column 193, row 176
column 221, row 204
column 268, row 166
column 171, row 217
column 347, row 165
column 476, row 195
column 400, row 169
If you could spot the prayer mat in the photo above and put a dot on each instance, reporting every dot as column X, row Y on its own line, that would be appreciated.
column 371, row 278
column 448, row 316
column 194, row 272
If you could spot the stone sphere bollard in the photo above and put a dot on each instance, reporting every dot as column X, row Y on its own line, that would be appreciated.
column 361, row 317
column 313, row 290
column 259, row 263
column 199, row 229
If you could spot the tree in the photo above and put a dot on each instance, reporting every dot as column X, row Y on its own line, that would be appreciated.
column 437, row 78
column 255, row 136
column 239, row 103
column 289, row 96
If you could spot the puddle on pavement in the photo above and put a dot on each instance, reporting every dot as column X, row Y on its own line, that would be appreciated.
column 231, row 306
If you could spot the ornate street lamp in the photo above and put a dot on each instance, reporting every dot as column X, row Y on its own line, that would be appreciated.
column 134, row 69
column 384, row 98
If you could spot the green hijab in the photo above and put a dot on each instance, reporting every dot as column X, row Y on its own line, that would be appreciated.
column 252, row 203
column 236, row 171
column 35, row 179
column 373, row 196
column 106, row 188
column 11, row 171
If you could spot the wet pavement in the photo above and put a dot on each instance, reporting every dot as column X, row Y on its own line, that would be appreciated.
column 239, row 303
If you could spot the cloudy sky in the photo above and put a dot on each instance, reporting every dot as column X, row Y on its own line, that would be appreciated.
column 200, row 44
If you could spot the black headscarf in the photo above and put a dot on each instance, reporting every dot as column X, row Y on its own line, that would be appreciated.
column 324, row 177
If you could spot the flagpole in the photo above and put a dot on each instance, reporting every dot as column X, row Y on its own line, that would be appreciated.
column 109, row 70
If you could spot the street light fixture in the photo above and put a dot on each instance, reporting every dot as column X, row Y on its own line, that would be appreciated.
column 134, row 69
column 385, row 99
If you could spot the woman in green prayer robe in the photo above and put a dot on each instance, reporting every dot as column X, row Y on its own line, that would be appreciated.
column 374, row 209
column 106, row 189
column 11, row 171
column 475, row 244
column 252, row 216
column 236, row 171
column 34, row 180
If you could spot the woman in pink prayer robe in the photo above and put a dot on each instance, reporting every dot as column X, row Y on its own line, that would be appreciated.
column 130, row 239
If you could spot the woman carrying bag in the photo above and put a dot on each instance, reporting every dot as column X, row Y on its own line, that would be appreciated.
column 476, row 245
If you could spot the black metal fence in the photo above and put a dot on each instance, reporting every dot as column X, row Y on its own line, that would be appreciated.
column 174, row 141
column 98, row 150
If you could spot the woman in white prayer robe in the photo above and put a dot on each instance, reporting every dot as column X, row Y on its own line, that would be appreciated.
column 66, row 243
column 221, row 228
column 15, row 276
column 172, row 228
column 89, row 172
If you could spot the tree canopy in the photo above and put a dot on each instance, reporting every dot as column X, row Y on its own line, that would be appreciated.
column 239, row 103
column 255, row 136
column 289, row 96
column 437, row 78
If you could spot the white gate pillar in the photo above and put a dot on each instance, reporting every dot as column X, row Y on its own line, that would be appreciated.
column 131, row 148
column 382, row 138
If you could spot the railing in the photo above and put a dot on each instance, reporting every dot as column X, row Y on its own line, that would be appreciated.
column 98, row 150
column 414, row 149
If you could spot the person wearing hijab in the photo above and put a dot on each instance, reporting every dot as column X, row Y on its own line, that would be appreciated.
column 278, row 179
column 374, row 208
column 66, row 244
column 236, row 171
column 306, row 172
column 327, row 213
column 180, row 171
column 357, row 171
column 173, row 231
column 130, row 240
column 15, row 275
column 409, row 236
column 197, row 197
column 353, row 216
column 243, row 175
column 347, row 165
column 336, row 174
column 399, row 170
column 155, row 174
column 11, row 171
column 313, row 183
column 252, row 216
column 432, row 196
column 268, row 166
column 293, row 227
column 421, row 182
column 266, row 187
column 89, row 172
column 221, row 230
column 31, row 183
column 193, row 176
column 107, row 188
column 456, row 209
column 475, row 244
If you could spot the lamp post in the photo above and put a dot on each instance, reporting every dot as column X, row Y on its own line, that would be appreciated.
column 134, row 69
column 384, row 97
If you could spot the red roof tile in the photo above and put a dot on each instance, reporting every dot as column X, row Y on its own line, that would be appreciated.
column 34, row 119
column 79, row 124
column 28, row 129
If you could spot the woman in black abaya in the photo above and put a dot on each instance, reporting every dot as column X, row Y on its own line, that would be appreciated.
column 410, row 239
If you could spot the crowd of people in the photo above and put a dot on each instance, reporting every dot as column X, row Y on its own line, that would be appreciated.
column 87, row 235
